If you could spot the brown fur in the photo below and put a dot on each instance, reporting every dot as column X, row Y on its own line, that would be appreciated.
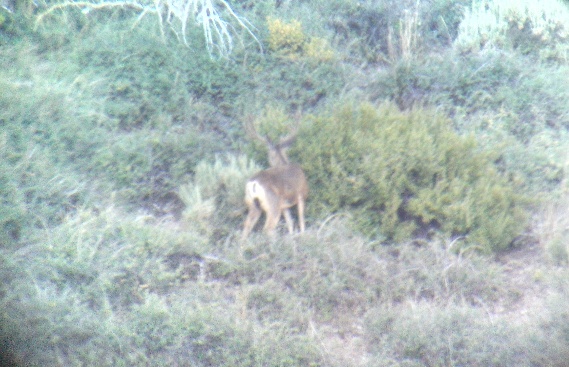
column 275, row 190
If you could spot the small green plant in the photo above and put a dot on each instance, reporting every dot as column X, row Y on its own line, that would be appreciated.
column 214, row 197
column 406, row 174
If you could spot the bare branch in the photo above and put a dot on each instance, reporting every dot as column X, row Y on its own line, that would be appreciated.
column 218, row 32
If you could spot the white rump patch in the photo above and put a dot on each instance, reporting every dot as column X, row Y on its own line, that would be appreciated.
column 254, row 190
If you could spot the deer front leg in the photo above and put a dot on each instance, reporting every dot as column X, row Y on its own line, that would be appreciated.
column 300, row 206
column 289, row 221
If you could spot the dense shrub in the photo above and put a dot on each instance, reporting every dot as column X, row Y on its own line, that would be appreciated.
column 499, row 97
column 405, row 173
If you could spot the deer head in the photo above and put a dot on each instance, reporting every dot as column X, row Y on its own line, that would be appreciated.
column 276, row 189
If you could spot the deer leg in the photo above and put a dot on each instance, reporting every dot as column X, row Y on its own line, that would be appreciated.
column 288, row 219
column 252, row 219
column 273, row 217
column 300, row 206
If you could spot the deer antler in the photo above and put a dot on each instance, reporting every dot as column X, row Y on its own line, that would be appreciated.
column 283, row 142
column 253, row 133
column 291, row 136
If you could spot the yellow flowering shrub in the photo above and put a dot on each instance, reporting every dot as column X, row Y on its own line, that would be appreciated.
column 285, row 38
column 288, row 39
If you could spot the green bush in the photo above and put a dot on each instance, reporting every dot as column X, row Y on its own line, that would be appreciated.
column 214, row 197
column 285, row 38
column 288, row 40
column 403, row 174
column 498, row 97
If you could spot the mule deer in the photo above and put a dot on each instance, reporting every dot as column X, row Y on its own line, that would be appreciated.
column 276, row 189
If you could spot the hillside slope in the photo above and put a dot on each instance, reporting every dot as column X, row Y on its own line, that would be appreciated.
column 436, row 155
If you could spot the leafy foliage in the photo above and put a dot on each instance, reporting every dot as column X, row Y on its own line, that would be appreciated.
column 405, row 173
column 491, row 95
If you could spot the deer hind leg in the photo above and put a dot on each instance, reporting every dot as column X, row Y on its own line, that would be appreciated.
column 289, row 221
column 252, row 219
column 273, row 213
column 271, row 222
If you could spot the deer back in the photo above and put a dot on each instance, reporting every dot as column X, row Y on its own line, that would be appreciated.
column 286, row 182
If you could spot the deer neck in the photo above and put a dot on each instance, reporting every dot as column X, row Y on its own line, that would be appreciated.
column 277, row 159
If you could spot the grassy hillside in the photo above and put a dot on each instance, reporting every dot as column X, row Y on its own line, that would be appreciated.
column 434, row 138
